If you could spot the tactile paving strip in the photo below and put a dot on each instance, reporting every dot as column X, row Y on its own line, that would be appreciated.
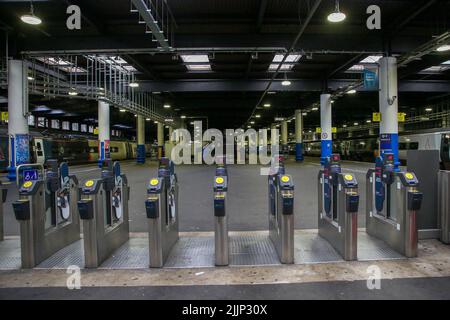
column 311, row 248
column 10, row 254
column 131, row 255
column 246, row 249
column 72, row 255
column 370, row 248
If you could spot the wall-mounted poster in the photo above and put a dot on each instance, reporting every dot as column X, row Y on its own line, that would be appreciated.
column 22, row 149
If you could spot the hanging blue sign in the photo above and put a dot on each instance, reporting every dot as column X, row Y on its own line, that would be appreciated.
column 370, row 79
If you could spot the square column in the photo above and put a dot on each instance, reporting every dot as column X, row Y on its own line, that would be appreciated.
column 325, row 124
column 298, row 135
column 140, row 129
column 19, row 139
column 103, row 132
column 388, row 97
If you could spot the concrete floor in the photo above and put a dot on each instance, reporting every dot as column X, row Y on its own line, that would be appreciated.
column 247, row 196
column 395, row 289
column 425, row 277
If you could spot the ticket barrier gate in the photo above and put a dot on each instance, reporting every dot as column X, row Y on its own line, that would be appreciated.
column 103, row 209
column 47, row 213
column 281, row 212
column 162, row 212
column 3, row 195
column 221, row 240
column 338, row 208
column 392, row 204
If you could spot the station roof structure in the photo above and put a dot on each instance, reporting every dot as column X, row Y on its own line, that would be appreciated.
column 218, row 57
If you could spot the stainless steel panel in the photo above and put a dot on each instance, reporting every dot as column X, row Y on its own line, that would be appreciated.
column 101, row 240
column 10, row 254
column 341, row 234
column 399, row 231
column 222, row 251
column 38, row 242
column 444, row 205
column 162, row 237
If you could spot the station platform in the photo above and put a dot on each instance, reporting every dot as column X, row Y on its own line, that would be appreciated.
column 253, row 260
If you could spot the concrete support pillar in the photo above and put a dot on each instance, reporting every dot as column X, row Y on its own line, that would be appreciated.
column 284, row 132
column 298, row 135
column 160, row 137
column 19, row 150
column 140, row 128
column 103, row 132
column 325, row 123
column 388, row 96
column 274, row 139
column 170, row 133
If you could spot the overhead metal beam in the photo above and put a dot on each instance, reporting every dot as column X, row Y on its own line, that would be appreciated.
column 151, row 22
column 331, row 43
column 180, row 86
column 261, row 13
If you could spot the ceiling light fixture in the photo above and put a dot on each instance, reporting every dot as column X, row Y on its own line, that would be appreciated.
column 267, row 105
column 133, row 85
column 336, row 16
column 443, row 48
column 167, row 106
column 30, row 78
column 123, row 110
column 183, row 117
column 31, row 18
column 73, row 92
column 285, row 82
column 353, row 91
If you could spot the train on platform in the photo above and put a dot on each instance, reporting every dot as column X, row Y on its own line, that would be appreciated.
column 367, row 148
column 73, row 149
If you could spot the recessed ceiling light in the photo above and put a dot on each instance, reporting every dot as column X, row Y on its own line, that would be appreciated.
column 30, row 78
column 133, row 84
column 73, row 92
column 258, row 116
column 252, row 122
column 195, row 58
column 336, row 16
column 122, row 110
column 315, row 109
column 353, row 91
column 183, row 117
column 429, row 109
column 369, row 121
column 286, row 83
column 356, row 124
column 445, row 47
column 267, row 105
column 167, row 106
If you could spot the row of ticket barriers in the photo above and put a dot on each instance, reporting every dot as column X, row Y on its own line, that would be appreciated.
column 52, row 208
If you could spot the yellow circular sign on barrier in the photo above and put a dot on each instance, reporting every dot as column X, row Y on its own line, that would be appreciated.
column 219, row 180
column 89, row 183
column 27, row 184
column 409, row 176
column 285, row 178
column 348, row 177
column 154, row 182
